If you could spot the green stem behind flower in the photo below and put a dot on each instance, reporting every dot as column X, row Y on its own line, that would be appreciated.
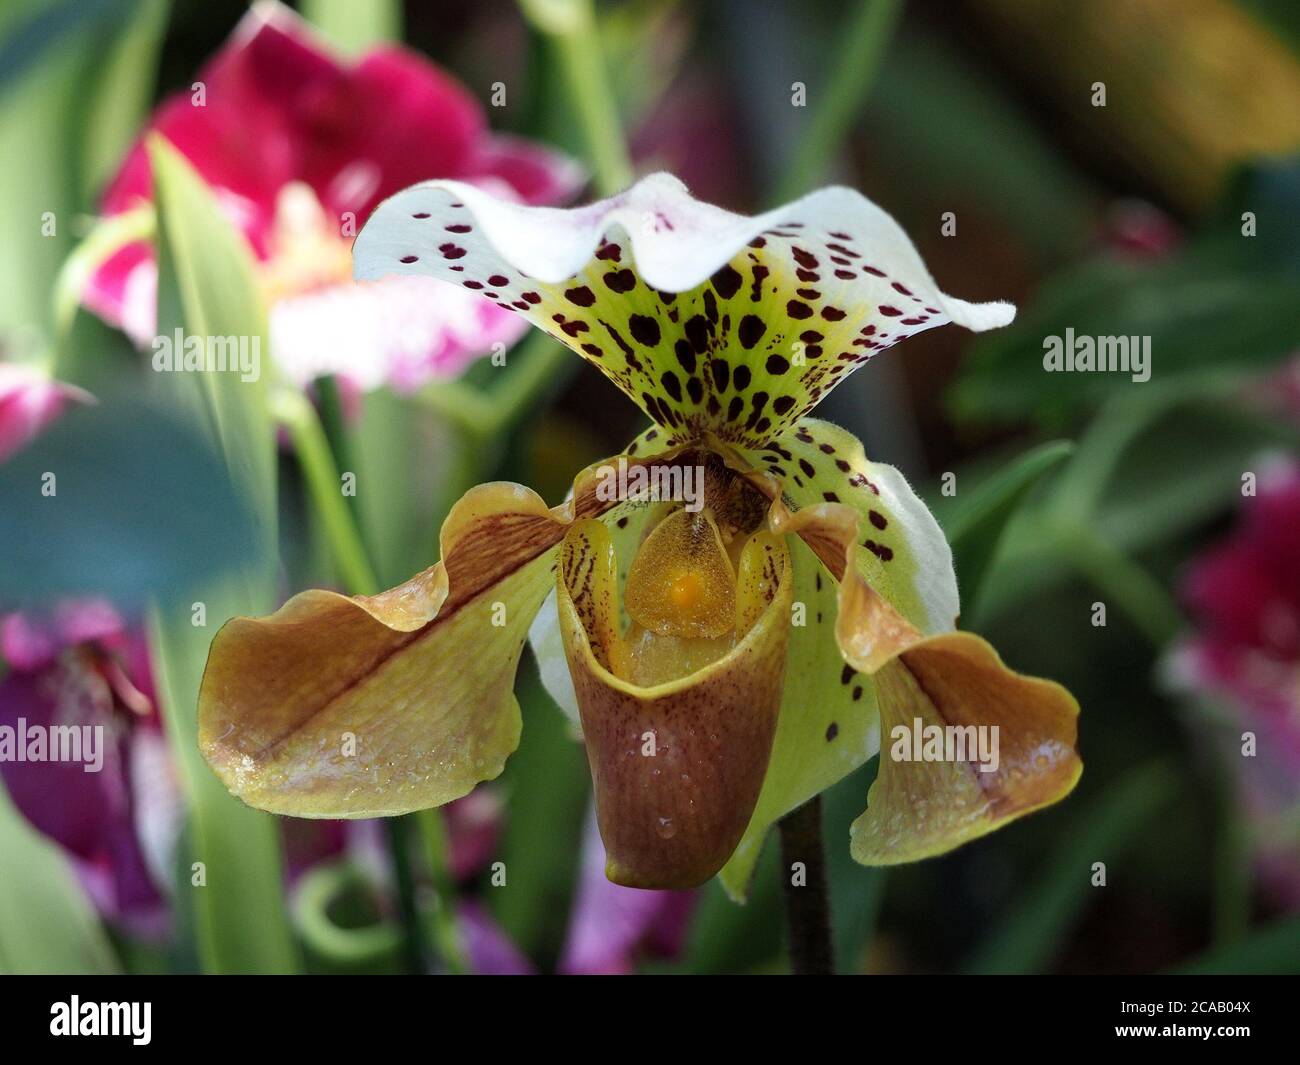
column 571, row 26
column 807, row 899
column 295, row 412
column 861, row 49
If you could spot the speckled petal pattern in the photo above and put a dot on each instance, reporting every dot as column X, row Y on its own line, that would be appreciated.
column 709, row 320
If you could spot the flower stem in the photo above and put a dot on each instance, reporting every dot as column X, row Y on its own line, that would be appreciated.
column 856, row 65
column 1114, row 574
column 415, row 951
column 572, row 27
column 807, row 899
column 295, row 412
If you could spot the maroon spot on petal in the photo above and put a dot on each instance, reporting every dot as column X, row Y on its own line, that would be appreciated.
column 498, row 280
column 758, row 242
column 845, row 275
column 720, row 371
column 888, row 311
column 741, row 378
column 751, row 330
column 420, row 214
column 844, row 251
column 777, row 364
column 727, row 282
column 533, row 297
column 644, row 329
column 798, row 309
column 877, row 519
column 807, row 468
column 832, row 730
column 671, row 385
column 901, row 288
column 451, row 251
column 873, row 271
column 756, row 289
column 804, row 258
column 409, row 259
column 620, row 281
column 685, row 355
column 832, row 314
column 807, row 275
column 610, row 252
column 459, row 227
column 809, row 293
column 580, row 296
column 472, row 284
column 782, row 404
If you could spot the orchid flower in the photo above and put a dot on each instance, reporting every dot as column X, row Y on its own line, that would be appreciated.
column 727, row 662
column 29, row 401
column 300, row 146
column 117, row 814
column 1244, row 597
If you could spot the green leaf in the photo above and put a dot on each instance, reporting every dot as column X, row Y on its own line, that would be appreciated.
column 977, row 522
column 1039, row 919
column 1274, row 949
column 1224, row 305
column 546, row 785
column 354, row 27
column 46, row 923
column 206, row 288
column 241, row 920
column 139, row 506
column 119, row 88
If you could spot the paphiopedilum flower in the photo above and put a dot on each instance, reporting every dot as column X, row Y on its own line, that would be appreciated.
column 728, row 661
column 299, row 146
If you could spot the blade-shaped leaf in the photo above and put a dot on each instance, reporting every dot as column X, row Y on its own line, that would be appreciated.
column 46, row 923
column 206, row 288
column 977, row 521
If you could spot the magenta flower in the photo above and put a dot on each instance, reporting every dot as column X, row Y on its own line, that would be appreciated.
column 29, row 401
column 300, row 146
column 612, row 925
column 1245, row 598
column 116, row 810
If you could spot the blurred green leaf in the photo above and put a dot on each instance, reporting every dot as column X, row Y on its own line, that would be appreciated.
column 206, row 288
column 546, row 784
column 354, row 27
column 1223, row 307
column 34, row 29
column 975, row 524
column 1272, row 950
column 1039, row 919
column 46, row 923
column 857, row 892
column 141, row 508
column 241, row 920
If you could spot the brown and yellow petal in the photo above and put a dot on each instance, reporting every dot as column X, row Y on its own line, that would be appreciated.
column 365, row 706
column 676, row 765
column 951, row 684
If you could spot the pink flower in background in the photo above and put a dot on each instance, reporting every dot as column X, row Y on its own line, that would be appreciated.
column 1244, row 597
column 80, row 666
column 29, row 401
column 300, row 146
column 613, row 926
